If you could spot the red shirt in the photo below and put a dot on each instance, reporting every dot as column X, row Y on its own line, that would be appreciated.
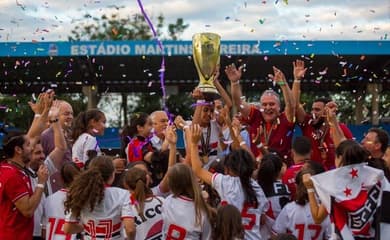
column 289, row 178
column 309, row 131
column 14, row 184
column 137, row 148
column 280, row 133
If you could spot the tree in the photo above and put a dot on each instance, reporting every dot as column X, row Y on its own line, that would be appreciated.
column 118, row 27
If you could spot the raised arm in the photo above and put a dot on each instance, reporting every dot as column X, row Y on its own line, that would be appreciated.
column 318, row 211
column 197, row 94
column 289, row 102
column 41, row 110
column 299, row 73
column 171, row 137
column 234, row 74
column 336, row 133
column 60, row 146
column 194, row 134
column 225, row 96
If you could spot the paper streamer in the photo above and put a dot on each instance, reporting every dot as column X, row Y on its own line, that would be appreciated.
column 160, row 45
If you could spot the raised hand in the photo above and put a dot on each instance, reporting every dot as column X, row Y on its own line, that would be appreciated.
column 233, row 73
column 54, row 110
column 195, row 133
column 179, row 122
column 43, row 174
column 37, row 107
column 331, row 112
column 170, row 134
column 307, row 181
column 278, row 76
column 197, row 94
column 299, row 69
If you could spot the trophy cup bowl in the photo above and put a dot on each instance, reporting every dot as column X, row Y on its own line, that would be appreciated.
column 206, row 52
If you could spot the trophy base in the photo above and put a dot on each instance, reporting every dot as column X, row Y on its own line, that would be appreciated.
column 209, row 93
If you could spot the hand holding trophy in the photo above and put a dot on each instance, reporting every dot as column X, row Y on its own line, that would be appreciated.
column 206, row 52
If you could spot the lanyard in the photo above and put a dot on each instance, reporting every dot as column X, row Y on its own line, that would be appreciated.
column 206, row 143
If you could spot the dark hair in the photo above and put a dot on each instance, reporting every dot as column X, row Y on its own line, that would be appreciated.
column 228, row 224
column 313, row 168
column 302, row 145
column 270, row 167
column 12, row 140
column 137, row 119
column 81, row 122
column 68, row 172
column 343, row 146
column 87, row 189
column 354, row 154
column 324, row 100
column 242, row 163
column 130, row 131
column 382, row 137
column 135, row 179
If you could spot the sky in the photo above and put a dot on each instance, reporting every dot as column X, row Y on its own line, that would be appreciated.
column 53, row 20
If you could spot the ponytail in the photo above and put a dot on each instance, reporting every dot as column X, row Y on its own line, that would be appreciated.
column 135, row 180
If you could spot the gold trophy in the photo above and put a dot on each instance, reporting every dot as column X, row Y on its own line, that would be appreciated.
column 206, row 51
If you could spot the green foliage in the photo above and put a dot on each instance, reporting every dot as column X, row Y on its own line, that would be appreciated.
column 15, row 111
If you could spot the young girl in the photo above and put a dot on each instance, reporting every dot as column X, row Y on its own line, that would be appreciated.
column 236, row 187
column 96, row 208
column 139, row 147
column 228, row 224
column 350, row 194
column 296, row 217
column 87, row 126
column 54, row 217
column 146, row 208
column 277, row 193
column 185, row 213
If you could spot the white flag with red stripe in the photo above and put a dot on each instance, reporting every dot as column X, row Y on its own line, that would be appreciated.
column 352, row 195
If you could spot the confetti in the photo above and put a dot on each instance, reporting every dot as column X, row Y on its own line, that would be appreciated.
column 261, row 21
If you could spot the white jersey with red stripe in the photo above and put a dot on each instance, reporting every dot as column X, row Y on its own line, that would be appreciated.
column 105, row 222
column 179, row 220
column 297, row 220
column 151, row 226
column 230, row 190
column 277, row 199
column 54, row 217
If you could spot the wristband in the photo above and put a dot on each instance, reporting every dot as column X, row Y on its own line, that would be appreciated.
column 235, row 83
column 200, row 101
column 53, row 121
column 310, row 190
column 37, row 115
column 242, row 143
column 40, row 185
column 281, row 83
column 297, row 81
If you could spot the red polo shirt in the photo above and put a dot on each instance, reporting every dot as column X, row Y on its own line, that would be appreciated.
column 280, row 133
column 14, row 184
column 289, row 178
column 308, row 131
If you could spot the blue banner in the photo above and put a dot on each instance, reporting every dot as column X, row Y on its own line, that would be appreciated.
column 184, row 48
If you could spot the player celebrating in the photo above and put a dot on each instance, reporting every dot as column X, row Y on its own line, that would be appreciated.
column 237, row 187
column 100, row 208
